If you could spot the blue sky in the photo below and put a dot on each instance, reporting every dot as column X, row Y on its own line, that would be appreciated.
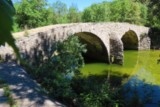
column 81, row 4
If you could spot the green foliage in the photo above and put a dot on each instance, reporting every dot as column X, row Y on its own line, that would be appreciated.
column 38, row 13
column 128, row 11
column 67, row 56
column 50, row 16
column 96, row 13
column 141, row 12
column 6, row 13
column 55, row 73
column 144, row 14
column 2, row 83
column 95, row 91
column 33, row 15
column 16, row 27
column 60, row 10
column 73, row 14
column 154, row 14
column 7, row 93
column 117, row 11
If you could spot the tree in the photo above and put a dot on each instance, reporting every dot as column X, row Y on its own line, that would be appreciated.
column 154, row 14
column 31, row 13
column 6, row 21
column 73, row 14
column 128, row 11
column 146, row 2
column 60, row 10
column 116, row 11
column 96, row 13
column 51, row 16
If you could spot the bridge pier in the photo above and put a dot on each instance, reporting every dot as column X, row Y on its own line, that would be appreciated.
column 116, row 49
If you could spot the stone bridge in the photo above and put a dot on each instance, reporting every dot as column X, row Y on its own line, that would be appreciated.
column 105, row 41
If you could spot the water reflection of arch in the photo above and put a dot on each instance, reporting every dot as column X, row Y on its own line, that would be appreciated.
column 130, row 40
column 96, row 49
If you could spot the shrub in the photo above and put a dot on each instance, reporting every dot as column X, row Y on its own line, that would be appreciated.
column 95, row 91
column 56, row 72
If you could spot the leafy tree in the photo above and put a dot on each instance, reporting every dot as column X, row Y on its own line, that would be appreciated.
column 154, row 14
column 51, row 16
column 144, row 14
column 6, row 21
column 60, row 10
column 73, row 14
column 56, row 72
column 31, row 13
column 128, row 11
column 146, row 2
column 87, row 15
column 117, row 11
column 96, row 13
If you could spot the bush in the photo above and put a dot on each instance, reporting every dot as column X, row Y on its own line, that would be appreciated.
column 56, row 72
column 95, row 91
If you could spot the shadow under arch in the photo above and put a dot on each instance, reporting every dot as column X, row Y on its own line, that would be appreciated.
column 130, row 40
column 96, row 50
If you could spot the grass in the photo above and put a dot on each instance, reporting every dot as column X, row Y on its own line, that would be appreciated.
column 2, row 83
column 134, row 61
column 7, row 93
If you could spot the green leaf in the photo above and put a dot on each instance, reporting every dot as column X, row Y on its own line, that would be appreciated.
column 6, row 13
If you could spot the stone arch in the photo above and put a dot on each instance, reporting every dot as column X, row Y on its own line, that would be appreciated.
column 96, row 49
column 130, row 40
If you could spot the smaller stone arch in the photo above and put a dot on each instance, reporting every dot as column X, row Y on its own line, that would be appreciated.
column 130, row 40
column 96, row 49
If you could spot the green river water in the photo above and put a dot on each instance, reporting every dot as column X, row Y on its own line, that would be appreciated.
column 133, row 62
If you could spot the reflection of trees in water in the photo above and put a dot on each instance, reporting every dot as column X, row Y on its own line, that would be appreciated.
column 143, row 58
column 141, row 61
column 139, row 89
